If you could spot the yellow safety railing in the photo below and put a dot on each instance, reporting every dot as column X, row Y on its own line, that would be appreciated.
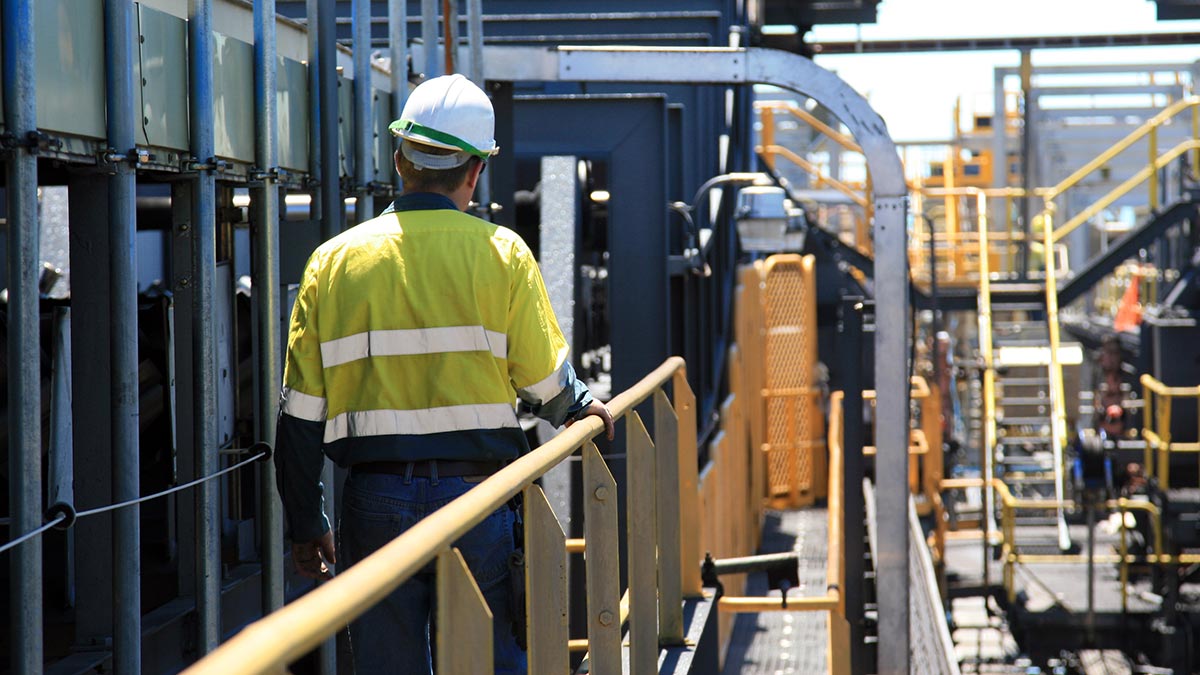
column 925, row 465
column 1156, row 429
column 1058, row 399
column 1148, row 174
column 860, row 195
column 984, row 304
column 662, row 542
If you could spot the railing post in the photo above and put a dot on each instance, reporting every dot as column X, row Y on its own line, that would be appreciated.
column 766, row 116
column 464, row 622
column 1152, row 182
column 641, row 521
column 545, row 571
column 689, row 486
column 670, row 588
column 603, row 563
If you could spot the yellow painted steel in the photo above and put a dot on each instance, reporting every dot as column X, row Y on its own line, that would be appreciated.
column 602, row 572
column 545, row 570
column 984, row 304
column 689, row 487
column 844, row 140
column 795, row 435
column 642, row 525
column 859, row 197
column 461, row 611
column 1058, row 403
column 277, row 640
column 670, row 585
column 1159, row 400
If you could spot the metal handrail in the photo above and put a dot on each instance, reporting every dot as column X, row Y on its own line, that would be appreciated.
column 984, row 304
column 270, row 644
column 844, row 140
column 1156, row 429
column 1146, row 173
column 850, row 193
column 1058, row 405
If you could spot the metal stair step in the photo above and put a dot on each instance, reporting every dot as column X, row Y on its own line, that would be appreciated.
column 1023, row 421
column 1022, row 381
column 1023, row 400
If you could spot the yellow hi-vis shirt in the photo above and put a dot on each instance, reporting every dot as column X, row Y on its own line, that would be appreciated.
column 422, row 323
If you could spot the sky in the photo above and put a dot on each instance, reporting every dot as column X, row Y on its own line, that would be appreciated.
column 915, row 93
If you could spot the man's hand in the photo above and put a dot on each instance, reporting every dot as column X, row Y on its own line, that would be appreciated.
column 599, row 410
column 313, row 558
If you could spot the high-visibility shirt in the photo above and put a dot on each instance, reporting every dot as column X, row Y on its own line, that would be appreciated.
column 412, row 336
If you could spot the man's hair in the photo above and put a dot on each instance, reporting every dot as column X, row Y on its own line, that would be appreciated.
column 419, row 179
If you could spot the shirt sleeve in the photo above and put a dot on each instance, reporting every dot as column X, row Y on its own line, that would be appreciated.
column 538, row 365
column 300, row 428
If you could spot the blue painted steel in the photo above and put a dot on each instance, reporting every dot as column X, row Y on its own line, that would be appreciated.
column 332, row 207
column 204, row 339
column 127, row 606
column 266, row 295
column 24, row 376
column 364, row 136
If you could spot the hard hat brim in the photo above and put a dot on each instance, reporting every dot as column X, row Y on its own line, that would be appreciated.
column 409, row 130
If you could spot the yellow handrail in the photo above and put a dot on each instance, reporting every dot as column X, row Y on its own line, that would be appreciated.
column 1058, row 405
column 270, row 644
column 844, row 140
column 814, row 170
column 1146, row 173
column 1156, row 430
column 984, row 303
column 1121, row 145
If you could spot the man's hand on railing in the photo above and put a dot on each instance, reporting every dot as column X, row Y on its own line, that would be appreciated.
column 313, row 558
column 599, row 410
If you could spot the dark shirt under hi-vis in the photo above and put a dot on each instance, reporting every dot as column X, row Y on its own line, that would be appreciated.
column 412, row 336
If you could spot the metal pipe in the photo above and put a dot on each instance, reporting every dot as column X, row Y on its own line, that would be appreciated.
column 851, row 348
column 429, row 38
column 1027, row 206
column 364, row 136
column 475, row 43
column 266, row 295
column 24, row 378
column 450, row 34
column 122, row 217
column 398, row 44
column 62, row 458
column 332, row 207
column 204, row 337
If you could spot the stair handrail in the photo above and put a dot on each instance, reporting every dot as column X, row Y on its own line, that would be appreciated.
column 984, row 304
column 1148, row 129
column 844, row 140
column 1058, row 411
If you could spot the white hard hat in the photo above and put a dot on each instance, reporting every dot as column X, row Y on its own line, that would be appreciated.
column 448, row 112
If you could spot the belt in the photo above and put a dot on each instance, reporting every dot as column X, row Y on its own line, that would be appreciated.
column 426, row 468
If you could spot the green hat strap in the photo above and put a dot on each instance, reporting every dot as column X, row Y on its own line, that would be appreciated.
column 412, row 127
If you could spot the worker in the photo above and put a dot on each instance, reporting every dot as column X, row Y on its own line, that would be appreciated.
column 412, row 336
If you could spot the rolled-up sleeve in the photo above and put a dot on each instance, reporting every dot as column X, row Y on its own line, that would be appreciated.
column 299, row 458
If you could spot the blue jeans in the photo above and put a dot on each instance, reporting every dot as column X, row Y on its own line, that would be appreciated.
column 394, row 636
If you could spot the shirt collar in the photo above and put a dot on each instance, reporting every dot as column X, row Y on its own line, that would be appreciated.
column 420, row 201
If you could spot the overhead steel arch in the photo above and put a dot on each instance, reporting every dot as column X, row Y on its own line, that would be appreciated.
column 736, row 66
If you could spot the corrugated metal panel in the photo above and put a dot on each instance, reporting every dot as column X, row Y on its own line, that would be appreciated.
column 381, row 109
column 233, row 94
column 162, row 72
column 346, row 125
column 70, row 67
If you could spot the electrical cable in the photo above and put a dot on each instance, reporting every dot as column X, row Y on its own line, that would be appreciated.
column 30, row 535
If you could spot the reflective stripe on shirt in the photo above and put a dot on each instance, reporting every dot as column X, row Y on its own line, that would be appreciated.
column 420, row 422
column 304, row 406
column 548, row 387
column 410, row 341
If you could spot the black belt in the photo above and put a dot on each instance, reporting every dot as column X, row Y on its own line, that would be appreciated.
column 426, row 468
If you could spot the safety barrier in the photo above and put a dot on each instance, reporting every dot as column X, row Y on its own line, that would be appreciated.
column 794, row 439
column 663, row 555
column 1156, row 429
column 859, row 195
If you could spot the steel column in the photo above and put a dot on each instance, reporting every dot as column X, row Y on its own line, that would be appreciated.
column 475, row 45
column 364, row 136
column 398, row 44
column 429, row 38
column 265, row 235
column 204, row 339
column 1027, row 167
column 24, row 376
column 122, row 216
column 850, row 350
column 332, row 207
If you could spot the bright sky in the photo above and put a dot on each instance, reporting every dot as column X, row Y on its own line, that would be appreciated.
column 915, row 92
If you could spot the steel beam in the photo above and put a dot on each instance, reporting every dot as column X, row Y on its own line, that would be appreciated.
column 24, row 376
column 790, row 71
column 398, row 44
column 204, row 340
column 332, row 207
column 265, row 268
column 364, row 136
column 120, row 42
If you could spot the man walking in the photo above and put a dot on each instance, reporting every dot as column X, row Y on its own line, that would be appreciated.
column 412, row 336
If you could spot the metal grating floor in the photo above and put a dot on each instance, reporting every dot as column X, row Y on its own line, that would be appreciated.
column 776, row 643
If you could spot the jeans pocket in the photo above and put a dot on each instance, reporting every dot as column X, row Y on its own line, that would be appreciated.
column 370, row 523
column 486, row 549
